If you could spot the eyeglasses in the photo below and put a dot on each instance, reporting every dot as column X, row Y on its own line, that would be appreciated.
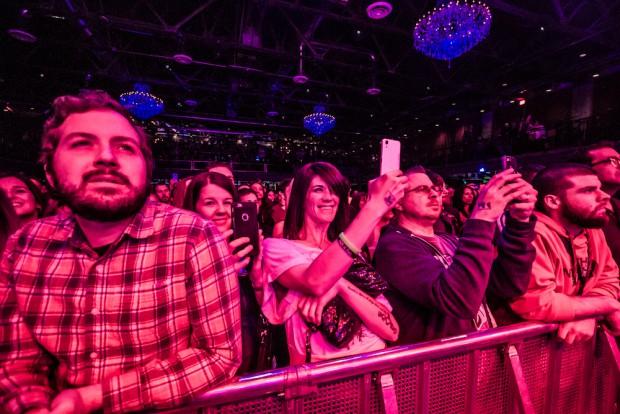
column 426, row 190
column 614, row 161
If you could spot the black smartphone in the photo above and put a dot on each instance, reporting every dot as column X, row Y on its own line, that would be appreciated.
column 508, row 161
column 245, row 223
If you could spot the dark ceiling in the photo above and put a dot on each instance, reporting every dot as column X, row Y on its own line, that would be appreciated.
column 245, row 53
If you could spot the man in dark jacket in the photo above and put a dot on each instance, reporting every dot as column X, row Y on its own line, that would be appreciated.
column 439, row 282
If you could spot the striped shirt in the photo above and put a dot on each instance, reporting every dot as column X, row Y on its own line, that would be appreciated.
column 155, row 320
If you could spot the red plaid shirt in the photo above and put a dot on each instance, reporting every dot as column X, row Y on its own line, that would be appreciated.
column 155, row 320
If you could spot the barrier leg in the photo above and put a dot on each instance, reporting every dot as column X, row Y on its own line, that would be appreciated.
column 523, row 392
column 388, row 393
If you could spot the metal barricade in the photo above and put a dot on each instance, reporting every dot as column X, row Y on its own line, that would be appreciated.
column 522, row 368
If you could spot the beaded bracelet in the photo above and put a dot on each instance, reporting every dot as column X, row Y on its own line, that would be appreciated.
column 347, row 246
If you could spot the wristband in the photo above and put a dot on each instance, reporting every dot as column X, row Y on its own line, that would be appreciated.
column 347, row 243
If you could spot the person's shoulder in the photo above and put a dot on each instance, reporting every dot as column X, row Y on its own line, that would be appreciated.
column 167, row 217
column 393, row 233
column 58, row 227
column 272, row 243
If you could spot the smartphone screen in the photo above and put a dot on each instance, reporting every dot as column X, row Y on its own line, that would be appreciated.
column 390, row 155
column 245, row 223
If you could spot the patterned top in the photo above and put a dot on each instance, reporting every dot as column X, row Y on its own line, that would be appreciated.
column 155, row 319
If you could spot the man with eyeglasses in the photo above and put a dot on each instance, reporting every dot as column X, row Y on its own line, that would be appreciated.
column 605, row 162
column 438, row 282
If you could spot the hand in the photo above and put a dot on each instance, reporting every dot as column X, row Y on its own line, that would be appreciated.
column 612, row 322
column 495, row 195
column 69, row 402
column 311, row 307
column 523, row 207
column 37, row 411
column 577, row 331
column 384, row 192
column 241, row 256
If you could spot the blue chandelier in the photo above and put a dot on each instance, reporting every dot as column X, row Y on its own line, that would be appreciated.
column 452, row 29
column 141, row 103
column 319, row 122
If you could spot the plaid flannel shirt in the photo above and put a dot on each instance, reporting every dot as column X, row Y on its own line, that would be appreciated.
column 155, row 320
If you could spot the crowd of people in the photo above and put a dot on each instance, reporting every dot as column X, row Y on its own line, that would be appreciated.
column 123, row 295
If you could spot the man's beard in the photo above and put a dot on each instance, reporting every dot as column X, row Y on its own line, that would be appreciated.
column 580, row 219
column 104, row 204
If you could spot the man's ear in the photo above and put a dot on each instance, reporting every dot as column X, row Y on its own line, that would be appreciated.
column 398, row 206
column 552, row 202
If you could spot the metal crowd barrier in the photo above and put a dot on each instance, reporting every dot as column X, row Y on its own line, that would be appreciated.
column 521, row 368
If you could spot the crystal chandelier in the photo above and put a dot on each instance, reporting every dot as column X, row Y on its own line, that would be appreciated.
column 319, row 122
column 141, row 103
column 452, row 29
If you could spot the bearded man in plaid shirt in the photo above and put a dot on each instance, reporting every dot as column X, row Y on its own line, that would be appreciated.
column 124, row 304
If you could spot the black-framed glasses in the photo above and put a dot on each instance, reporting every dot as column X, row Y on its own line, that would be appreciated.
column 426, row 189
column 614, row 161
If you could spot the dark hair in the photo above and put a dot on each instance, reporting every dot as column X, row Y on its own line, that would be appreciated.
column 582, row 156
column 85, row 101
column 39, row 198
column 457, row 200
column 8, row 220
column 356, row 201
column 245, row 191
column 215, row 164
column 416, row 169
column 435, row 178
column 338, row 184
column 202, row 180
column 555, row 179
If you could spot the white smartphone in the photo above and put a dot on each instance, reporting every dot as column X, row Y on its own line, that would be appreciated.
column 390, row 155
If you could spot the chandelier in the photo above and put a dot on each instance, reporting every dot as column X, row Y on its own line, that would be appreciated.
column 319, row 122
column 141, row 103
column 452, row 29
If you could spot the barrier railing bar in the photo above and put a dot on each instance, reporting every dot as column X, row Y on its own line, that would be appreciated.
column 612, row 346
column 424, row 391
column 365, row 394
column 553, row 379
column 472, row 365
column 270, row 382
column 522, row 395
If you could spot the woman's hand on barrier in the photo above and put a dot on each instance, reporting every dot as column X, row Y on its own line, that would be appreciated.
column 384, row 192
column 577, row 331
column 311, row 307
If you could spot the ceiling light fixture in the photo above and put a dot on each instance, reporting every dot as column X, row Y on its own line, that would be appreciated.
column 379, row 10
column 301, row 78
column 141, row 103
column 452, row 29
column 182, row 58
column 319, row 122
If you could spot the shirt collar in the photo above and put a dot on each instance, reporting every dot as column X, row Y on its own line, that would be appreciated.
column 140, row 227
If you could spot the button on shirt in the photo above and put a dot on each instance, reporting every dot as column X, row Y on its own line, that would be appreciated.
column 155, row 319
